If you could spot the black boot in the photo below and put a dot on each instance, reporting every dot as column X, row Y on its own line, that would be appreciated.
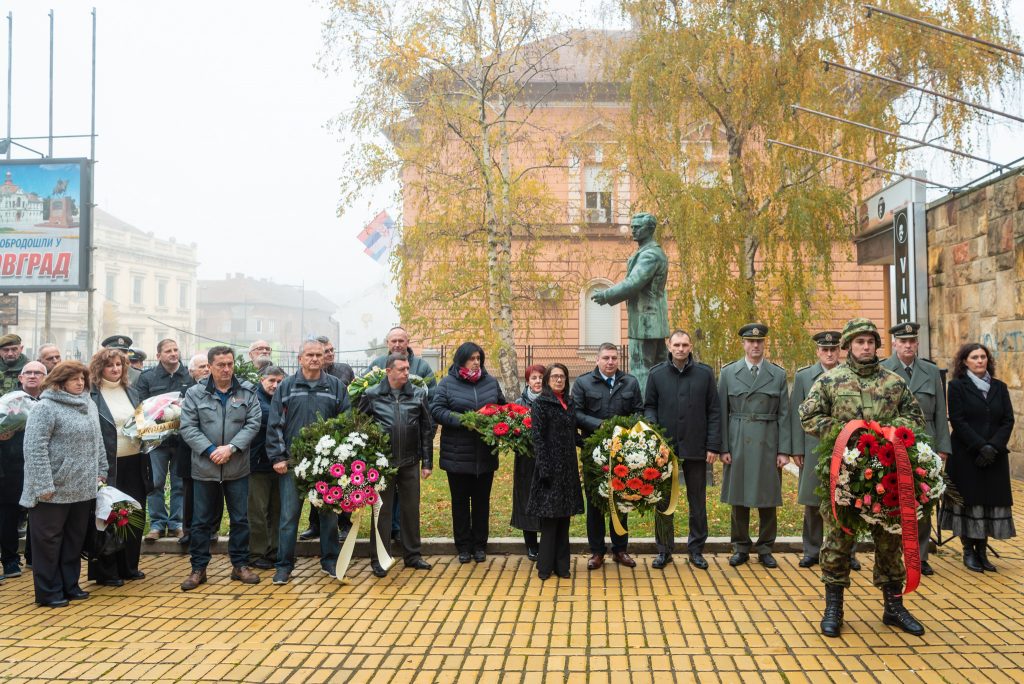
column 971, row 561
column 896, row 614
column 832, row 620
column 981, row 551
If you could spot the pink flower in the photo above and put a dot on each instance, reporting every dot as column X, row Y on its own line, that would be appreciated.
column 356, row 479
column 336, row 493
column 879, row 489
column 867, row 499
column 358, row 466
column 322, row 487
column 877, row 508
column 329, row 500
column 337, row 470
column 357, row 498
column 924, row 488
column 923, row 499
column 372, row 475
column 346, row 506
column 921, row 472
column 371, row 497
column 859, row 503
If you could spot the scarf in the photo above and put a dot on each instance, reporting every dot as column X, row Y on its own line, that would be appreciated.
column 565, row 407
column 864, row 369
column 984, row 383
column 470, row 376
column 531, row 396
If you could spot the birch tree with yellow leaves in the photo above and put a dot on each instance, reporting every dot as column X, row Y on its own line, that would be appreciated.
column 710, row 81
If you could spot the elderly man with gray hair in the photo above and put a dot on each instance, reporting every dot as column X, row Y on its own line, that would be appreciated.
column 259, row 354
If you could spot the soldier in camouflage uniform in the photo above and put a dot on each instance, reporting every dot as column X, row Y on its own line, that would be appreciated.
column 860, row 389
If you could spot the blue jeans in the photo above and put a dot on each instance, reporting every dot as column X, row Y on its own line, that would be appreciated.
column 208, row 505
column 291, row 507
column 158, row 518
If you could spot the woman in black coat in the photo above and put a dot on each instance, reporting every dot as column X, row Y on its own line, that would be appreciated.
column 555, row 494
column 522, row 473
column 465, row 457
column 982, row 419
column 127, row 466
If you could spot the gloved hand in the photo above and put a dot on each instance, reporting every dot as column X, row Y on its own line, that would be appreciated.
column 986, row 456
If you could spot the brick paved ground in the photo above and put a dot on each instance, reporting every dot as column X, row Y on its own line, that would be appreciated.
column 497, row 621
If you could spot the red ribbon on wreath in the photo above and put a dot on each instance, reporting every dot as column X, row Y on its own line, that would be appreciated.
column 905, row 489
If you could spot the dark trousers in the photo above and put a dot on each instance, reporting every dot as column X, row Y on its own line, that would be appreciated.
column 344, row 521
column 531, row 539
column 210, row 498
column 58, row 536
column 695, row 478
column 768, row 526
column 596, row 529
column 554, row 546
column 124, row 563
column 264, row 515
column 9, row 515
column 404, row 487
column 471, row 510
column 187, row 504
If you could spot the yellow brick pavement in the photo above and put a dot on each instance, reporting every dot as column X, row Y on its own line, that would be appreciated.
column 497, row 622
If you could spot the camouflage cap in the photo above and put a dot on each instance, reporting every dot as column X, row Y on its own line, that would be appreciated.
column 859, row 326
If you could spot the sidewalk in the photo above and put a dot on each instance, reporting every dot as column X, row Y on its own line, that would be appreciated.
column 497, row 622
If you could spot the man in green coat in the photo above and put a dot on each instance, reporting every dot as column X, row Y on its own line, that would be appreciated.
column 12, row 360
column 755, row 443
column 860, row 389
column 643, row 290
column 925, row 383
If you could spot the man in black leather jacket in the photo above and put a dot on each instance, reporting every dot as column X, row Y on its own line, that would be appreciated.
column 401, row 408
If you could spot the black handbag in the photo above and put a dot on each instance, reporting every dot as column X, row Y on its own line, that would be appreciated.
column 107, row 542
column 147, row 474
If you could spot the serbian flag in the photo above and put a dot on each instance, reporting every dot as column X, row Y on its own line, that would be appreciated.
column 377, row 236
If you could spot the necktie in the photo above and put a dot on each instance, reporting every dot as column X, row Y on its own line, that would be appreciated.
column 753, row 371
column 609, row 381
column 910, row 371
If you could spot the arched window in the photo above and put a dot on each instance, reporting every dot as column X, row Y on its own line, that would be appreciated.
column 599, row 322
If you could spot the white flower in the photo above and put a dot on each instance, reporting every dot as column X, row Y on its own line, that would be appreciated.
column 382, row 462
column 624, row 507
column 343, row 481
column 381, row 485
column 599, row 456
column 654, row 497
column 602, row 489
column 850, row 456
column 311, row 496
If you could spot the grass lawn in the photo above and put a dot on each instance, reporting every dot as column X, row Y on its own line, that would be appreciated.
column 436, row 516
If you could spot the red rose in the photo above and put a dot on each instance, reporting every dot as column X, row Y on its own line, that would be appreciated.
column 488, row 410
column 906, row 435
column 647, row 490
column 517, row 432
column 604, row 468
column 617, row 484
column 112, row 516
column 621, row 470
column 886, row 454
column 527, row 422
column 501, row 429
column 634, row 483
column 651, row 474
column 921, row 472
column 121, row 522
column 123, row 512
column 868, row 473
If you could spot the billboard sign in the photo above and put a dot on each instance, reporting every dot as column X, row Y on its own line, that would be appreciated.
column 45, row 225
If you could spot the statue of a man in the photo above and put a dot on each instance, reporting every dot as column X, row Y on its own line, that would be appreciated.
column 643, row 290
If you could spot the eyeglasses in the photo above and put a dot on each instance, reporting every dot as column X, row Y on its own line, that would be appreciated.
column 262, row 349
column 329, row 350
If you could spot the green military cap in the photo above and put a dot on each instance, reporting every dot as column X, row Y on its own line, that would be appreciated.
column 827, row 338
column 136, row 354
column 122, row 342
column 859, row 326
column 9, row 339
column 754, row 331
column 905, row 331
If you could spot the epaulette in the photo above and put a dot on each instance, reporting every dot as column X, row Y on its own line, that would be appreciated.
column 803, row 368
column 777, row 366
column 921, row 358
column 731, row 363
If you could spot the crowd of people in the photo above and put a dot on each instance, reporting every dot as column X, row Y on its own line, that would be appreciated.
column 233, row 451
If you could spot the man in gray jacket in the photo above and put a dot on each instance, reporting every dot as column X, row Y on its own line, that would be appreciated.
column 219, row 419
column 925, row 382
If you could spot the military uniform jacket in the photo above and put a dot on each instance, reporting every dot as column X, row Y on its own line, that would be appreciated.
column 802, row 443
column 643, row 290
column 755, row 429
column 926, row 385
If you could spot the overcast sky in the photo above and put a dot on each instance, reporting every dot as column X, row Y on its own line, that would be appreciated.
column 212, row 123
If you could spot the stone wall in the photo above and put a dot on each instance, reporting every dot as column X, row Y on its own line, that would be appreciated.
column 976, row 284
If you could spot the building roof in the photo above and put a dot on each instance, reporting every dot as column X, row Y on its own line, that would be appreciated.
column 238, row 288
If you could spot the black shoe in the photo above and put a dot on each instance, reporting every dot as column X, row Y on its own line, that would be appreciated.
column 262, row 564
column 543, row 575
column 418, row 564
column 661, row 560
column 77, row 595
column 378, row 571
column 896, row 614
column 926, row 569
column 738, row 559
column 808, row 562
column 308, row 534
column 532, row 553
column 981, row 550
column 971, row 561
column 136, row 575
column 56, row 603
column 854, row 564
column 832, row 620
column 565, row 576
column 111, row 583
column 465, row 556
column 697, row 560
column 479, row 556
column 186, row 539
column 342, row 536
column 396, row 536
column 12, row 570
column 768, row 560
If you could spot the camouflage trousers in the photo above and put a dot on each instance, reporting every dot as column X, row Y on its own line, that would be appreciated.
column 837, row 547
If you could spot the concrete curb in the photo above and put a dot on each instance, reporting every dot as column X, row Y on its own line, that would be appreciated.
column 445, row 546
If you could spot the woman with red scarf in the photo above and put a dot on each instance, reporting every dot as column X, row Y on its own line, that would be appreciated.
column 465, row 457
column 555, row 493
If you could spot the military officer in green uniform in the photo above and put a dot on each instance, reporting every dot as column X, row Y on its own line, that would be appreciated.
column 803, row 445
column 925, row 383
column 860, row 388
column 643, row 290
column 12, row 361
column 755, row 443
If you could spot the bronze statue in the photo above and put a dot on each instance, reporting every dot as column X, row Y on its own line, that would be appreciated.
column 643, row 290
